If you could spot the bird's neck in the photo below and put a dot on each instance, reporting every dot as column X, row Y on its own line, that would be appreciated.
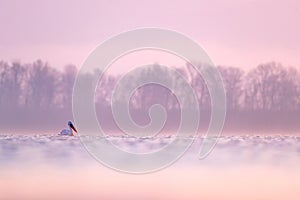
column 71, row 131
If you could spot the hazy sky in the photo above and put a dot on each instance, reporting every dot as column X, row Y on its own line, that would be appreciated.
column 240, row 33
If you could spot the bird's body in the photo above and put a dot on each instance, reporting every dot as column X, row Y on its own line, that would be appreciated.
column 66, row 132
column 69, row 131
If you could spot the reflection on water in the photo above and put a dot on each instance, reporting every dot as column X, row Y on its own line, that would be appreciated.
column 240, row 167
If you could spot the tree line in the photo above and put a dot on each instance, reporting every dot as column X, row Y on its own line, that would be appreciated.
column 37, row 96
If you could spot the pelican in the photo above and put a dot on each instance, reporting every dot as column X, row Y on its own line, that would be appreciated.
column 70, row 130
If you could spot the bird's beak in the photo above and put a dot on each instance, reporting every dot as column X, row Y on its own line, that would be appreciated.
column 72, row 127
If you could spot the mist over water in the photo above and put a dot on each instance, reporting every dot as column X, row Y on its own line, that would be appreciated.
column 230, row 150
column 55, row 167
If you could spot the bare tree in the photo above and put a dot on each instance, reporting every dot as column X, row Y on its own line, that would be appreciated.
column 199, row 85
column 271, row 87
column 66, row 86
column 41, row 88
column 12, row 78
column 233, row 80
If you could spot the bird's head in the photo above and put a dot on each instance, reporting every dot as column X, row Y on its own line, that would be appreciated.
column 70, row 124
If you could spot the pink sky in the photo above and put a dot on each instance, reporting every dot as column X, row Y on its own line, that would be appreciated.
column 238, row 33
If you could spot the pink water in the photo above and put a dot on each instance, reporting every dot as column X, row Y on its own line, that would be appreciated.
column 51, row 167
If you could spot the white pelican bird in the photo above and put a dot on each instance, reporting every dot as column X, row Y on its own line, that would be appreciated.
column 70, row 130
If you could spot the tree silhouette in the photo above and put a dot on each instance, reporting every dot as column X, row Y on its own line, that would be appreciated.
column 233, row 80
column 271, row 87
column 41, row 88
column 12, row 79
column 66, row 86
